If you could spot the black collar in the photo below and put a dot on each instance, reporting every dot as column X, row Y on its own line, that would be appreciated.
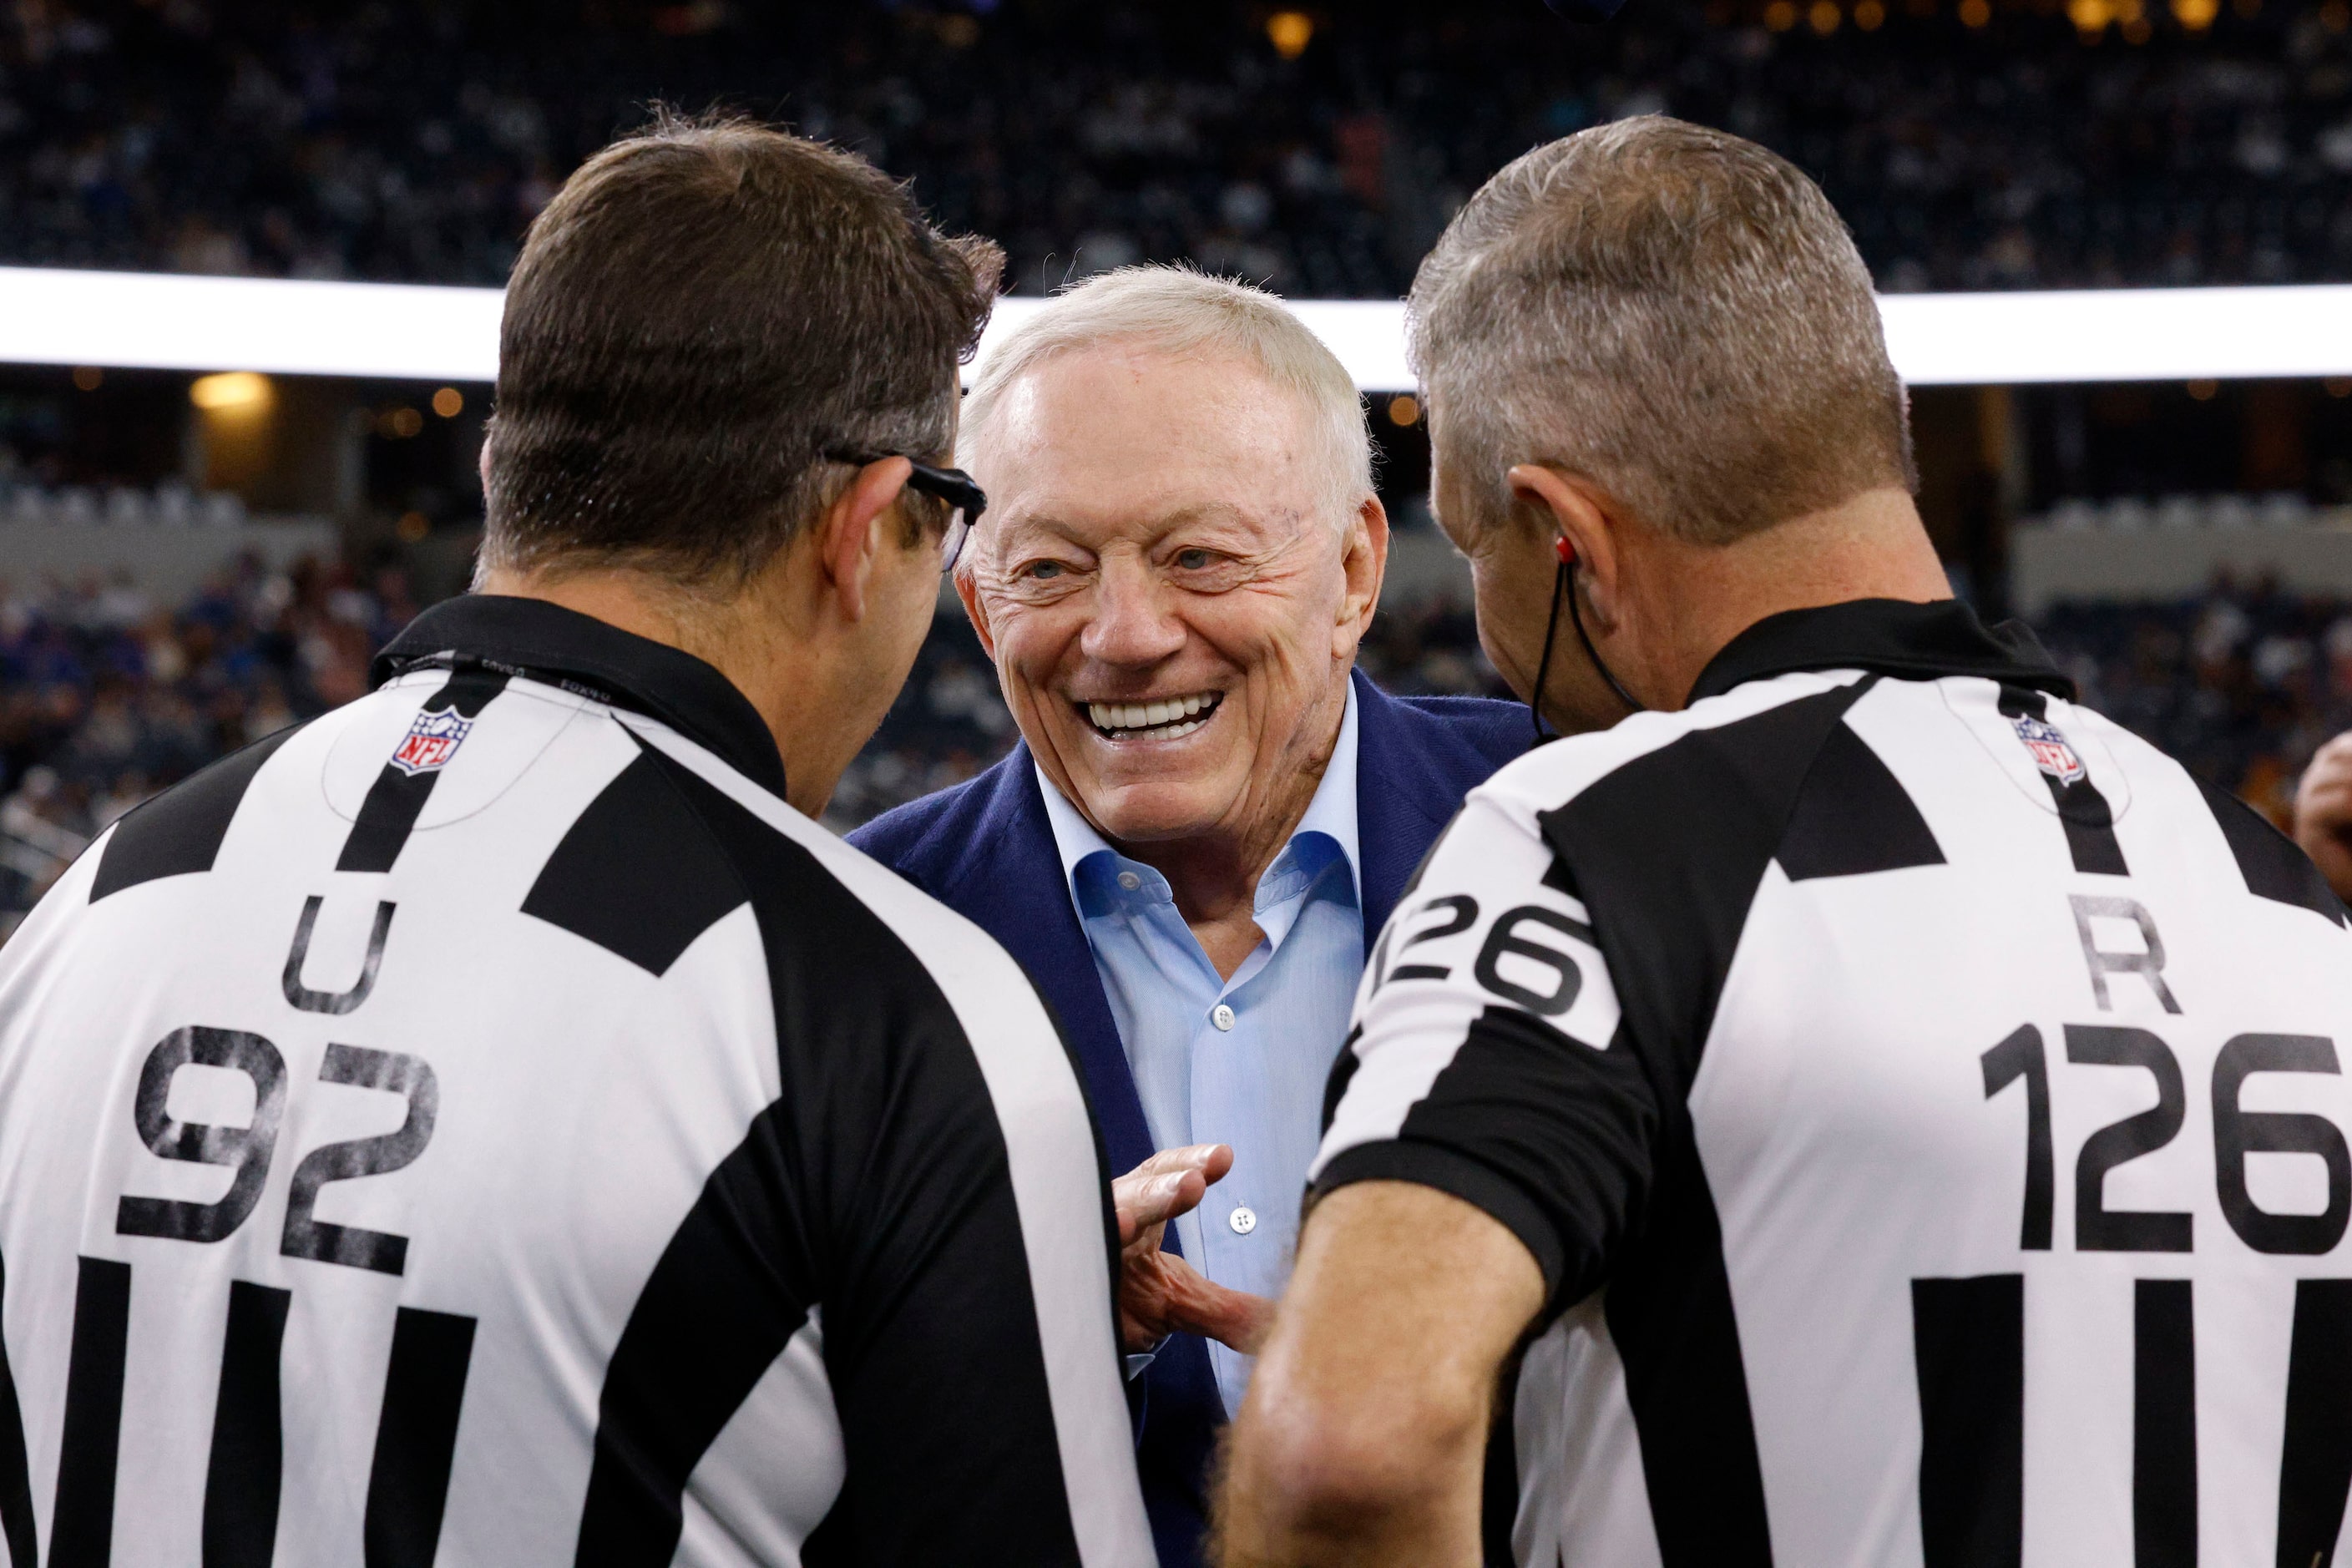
column 547, row 642
column 1886, row 637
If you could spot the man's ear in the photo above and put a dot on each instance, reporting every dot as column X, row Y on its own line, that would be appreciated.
column 975, row 607
column 1365, row 560
column 849, row 534
column 1583, row 514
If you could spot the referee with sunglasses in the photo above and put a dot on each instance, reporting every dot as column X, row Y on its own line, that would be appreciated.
column 619, row 1168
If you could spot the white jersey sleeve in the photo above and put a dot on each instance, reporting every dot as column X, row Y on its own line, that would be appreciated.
column 1487, row 1059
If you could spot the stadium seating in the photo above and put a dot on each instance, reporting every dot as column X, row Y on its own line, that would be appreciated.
column 1973, row 143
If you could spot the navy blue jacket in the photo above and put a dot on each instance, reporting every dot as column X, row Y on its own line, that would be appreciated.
column 985, row 849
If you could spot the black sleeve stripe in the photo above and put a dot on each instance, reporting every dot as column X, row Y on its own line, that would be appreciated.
column 397, row 798
column 1548, row 1119
column 1452, row 1172
column 733, row 1286
column 1853, row 817
column 637, row 873
column 179, row 831
column 2273, row 865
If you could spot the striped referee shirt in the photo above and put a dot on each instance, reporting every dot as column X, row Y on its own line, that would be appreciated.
column 1924, row 1102
column 487, row 1126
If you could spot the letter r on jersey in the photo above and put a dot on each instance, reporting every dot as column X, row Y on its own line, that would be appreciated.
column 2147, row 963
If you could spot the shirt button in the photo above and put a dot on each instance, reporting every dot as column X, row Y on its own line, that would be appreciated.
column 1223, row 1017
column 1242, row 1220
column 1129, row 880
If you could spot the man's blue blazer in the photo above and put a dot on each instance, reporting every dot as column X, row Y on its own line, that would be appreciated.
column 985, row 849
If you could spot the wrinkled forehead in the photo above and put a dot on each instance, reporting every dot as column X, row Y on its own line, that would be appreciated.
column 1116, row 442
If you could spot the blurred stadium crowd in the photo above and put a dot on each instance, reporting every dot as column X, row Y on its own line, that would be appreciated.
column 1974, row 143
column 106, row 697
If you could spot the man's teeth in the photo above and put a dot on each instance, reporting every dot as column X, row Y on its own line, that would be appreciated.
column 1176, row 712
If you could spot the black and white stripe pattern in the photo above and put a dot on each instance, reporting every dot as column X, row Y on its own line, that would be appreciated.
column 1807, row 1037
column 647, row 1177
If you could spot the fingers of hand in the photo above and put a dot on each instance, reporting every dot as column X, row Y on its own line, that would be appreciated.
column 1143, row 1204
column 1212, row 1160
column 2327, row 782
column 1167, row 1185
column 2331, row 806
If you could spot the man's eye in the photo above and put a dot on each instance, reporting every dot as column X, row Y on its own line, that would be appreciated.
column 1192, row 559
column 1042, row 570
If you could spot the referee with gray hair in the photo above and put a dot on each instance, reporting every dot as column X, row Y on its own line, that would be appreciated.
column 1871, row 1110
column 492, row 1123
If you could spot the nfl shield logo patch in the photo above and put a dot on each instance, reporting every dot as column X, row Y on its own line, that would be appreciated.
column 2046, row 743
column 433, row 739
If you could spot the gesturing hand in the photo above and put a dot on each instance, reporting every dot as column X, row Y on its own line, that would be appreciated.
column 1158, row 1292
column 2323, row 813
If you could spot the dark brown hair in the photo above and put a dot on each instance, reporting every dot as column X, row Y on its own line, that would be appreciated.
column 1672, row 312
column 702, row 312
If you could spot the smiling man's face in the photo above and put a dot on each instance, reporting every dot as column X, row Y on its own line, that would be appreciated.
column 1171, row 611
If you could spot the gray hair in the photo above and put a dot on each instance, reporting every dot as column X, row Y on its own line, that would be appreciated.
column 1676, row 314
column 1180, row 313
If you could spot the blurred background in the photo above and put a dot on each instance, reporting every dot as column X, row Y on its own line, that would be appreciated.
column 189, row 559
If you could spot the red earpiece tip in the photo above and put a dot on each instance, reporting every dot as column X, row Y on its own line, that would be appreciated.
column 1565, row 550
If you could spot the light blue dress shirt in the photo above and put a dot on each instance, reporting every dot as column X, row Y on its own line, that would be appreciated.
column 1240, row 1061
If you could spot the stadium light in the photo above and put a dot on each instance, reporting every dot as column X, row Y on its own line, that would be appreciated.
column 411, row 333
column 145, row 321
column 230, row 389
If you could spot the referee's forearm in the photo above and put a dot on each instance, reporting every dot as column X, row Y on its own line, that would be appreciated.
column 1364, row 1437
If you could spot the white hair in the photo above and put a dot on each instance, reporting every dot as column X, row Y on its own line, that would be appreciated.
column 1177, row 311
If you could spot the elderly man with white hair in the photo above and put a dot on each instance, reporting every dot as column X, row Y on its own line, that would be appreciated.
column 1209, row 815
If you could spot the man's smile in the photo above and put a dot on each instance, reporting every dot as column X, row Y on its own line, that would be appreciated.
column 1158, row 718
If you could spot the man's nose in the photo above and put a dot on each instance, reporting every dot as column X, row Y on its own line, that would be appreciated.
column 1133, row 621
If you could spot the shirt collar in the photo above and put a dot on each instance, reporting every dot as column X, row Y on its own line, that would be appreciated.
column 1886, row 637
column 542, row 641
column 1332, row 811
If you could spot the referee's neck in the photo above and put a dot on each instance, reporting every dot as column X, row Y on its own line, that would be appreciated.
column 1688, row 601
column 759, row 637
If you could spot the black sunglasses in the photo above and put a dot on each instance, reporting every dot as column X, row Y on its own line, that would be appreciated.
column 965, row 499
